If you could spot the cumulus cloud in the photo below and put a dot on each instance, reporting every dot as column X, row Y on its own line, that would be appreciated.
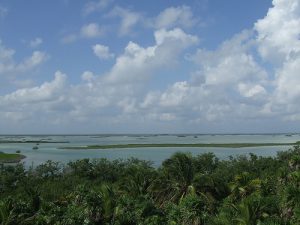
column 286, row 95
column 112, row 97
column 47, row 91
column 279, row 43
column 227, row 85
column 36, row 105
column 102, row 52
column 227, row 81
column 137, row 62
column 181, row 16
column 279, row 31
column 288, row 82
column 231, row 83
column 220, row 67
column 98, row 99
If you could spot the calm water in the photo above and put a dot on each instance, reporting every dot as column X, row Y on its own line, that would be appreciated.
column 50, row 151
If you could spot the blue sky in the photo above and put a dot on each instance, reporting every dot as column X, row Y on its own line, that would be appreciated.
column 108, row 66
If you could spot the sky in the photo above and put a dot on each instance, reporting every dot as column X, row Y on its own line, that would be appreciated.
column 132, row 66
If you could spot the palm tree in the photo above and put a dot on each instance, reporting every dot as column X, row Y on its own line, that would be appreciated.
column 243, row 185
column 109, row 205
column 137, row 179
column 175, row 178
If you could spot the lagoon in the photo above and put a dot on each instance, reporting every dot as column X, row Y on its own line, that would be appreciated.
column 49, row 147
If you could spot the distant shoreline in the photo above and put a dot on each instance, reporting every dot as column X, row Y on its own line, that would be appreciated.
column 199, row 145
column 149, row 134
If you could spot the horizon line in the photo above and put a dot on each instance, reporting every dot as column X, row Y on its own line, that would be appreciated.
column 119, row 134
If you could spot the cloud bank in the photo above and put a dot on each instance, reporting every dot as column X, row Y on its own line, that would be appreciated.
column 227, row 85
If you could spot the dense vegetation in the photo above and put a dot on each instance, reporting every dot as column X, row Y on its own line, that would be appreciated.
column 185, row 189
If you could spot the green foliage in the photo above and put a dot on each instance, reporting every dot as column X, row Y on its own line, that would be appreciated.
column 184, row 190
column 11, row 158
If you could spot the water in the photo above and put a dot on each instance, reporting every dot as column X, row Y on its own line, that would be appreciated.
column 51, row 151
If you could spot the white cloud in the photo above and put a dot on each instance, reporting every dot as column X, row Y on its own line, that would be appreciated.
column 175, row 95
column 87, row 31
column 95, row 6
column 129, row 19
column 230, row 83
column 137, row 63
column 279, row 31
column 288, row 82
column 35, row 42
column 181, row 16
column 91, row 30
column 33, row 61
column 231, row 63
column 111, row 98
column 117, row 95
column 102, row 52
column 8, row 64
column 46, row 92
column 250, row 91
column 279, row 43
column 227, row 83
column 150, row 99
column 97, row 99
column 177, row 35
column 33, row 106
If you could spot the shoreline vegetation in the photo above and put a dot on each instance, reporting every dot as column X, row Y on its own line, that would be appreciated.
column 11, row 158
column 196, row 145
column 31, row 142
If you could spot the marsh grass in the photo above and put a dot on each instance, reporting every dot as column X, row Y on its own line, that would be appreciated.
column 197, row 145
column 10, row 158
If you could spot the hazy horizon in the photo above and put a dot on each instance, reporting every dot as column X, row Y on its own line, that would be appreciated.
column 141, row 134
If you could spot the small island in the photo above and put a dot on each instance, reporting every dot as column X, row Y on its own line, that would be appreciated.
column 11, row 158
column 174, row 145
